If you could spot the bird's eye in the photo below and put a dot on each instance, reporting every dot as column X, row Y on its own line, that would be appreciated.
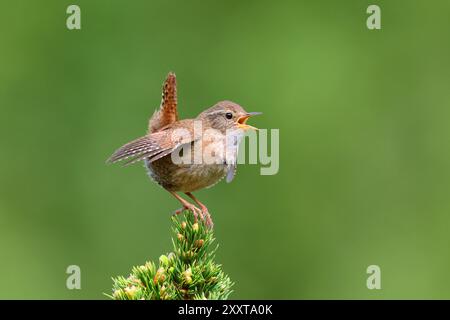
column 229, row 115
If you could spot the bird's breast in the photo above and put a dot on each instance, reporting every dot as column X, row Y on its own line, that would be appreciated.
column 185, row 177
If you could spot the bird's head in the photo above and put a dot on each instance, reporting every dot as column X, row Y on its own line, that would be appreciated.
column 227, row 115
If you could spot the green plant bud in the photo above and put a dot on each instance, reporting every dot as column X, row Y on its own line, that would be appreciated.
column 213, row 279
column 118, row 293
column 150, row 267
column 183, row 225
column 195, row 227
column 163, row 260
column 187, row 275
column 184, row 291
column 171, row 257
column 159, row 276
column 199, row 243
column 142, row 268
column 130, row 291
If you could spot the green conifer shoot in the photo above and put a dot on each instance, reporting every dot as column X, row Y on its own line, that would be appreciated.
column 187, row 273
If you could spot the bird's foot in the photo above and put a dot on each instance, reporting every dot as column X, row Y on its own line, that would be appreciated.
column 196, row 211
column 208, row 220
column 203, row 213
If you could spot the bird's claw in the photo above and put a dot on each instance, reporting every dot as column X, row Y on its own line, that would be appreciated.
column 208, row 220
column 196, row 211
column 203, row 213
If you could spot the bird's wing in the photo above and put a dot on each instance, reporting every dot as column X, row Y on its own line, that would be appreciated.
column 167, row 112
column 146, row 146
column 153, row 146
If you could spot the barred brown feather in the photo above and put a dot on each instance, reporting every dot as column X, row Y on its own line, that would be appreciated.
column 167, row 112
column 146, row 146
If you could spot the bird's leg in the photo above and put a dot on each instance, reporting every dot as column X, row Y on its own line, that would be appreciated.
column 205, row 210
column 186, row 205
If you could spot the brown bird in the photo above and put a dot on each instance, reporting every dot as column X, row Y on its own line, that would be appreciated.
column 191, row 154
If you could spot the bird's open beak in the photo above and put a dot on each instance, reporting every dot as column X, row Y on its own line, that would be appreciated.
column 242, row 121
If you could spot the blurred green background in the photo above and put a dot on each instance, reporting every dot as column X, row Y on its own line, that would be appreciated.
column 364, row 143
